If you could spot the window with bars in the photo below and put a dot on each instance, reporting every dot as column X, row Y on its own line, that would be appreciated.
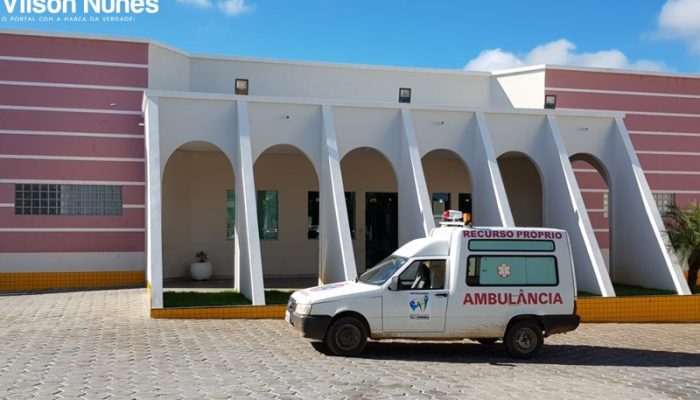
column 664, row 201
column 59, row 199
column 230, row 213
column 314, row 213
column 268, row 215
column 606, row 205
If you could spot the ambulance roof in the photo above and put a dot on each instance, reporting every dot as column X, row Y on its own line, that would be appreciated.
column 426, row 247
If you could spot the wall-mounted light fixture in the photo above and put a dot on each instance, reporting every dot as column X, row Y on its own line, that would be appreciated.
column 404, row 95
column 242, row 86
column 550, row 101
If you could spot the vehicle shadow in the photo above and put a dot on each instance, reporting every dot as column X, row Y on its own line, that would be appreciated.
column 558, row 354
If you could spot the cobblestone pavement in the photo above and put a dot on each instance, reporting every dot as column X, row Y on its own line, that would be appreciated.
column 101, row 344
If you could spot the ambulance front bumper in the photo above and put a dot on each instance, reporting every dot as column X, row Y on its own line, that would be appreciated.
column 310, row 326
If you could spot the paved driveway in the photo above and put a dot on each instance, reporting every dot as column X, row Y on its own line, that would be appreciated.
column 101, row 344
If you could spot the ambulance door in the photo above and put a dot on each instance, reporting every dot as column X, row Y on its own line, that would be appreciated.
column 416, row 300
column 504, row 278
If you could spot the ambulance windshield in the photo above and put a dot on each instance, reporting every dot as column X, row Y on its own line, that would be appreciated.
column 383, row 271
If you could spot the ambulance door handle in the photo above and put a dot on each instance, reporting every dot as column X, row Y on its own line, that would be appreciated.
column 440, row 294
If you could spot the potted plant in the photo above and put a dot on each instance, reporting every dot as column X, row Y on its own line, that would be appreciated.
column 201, row 270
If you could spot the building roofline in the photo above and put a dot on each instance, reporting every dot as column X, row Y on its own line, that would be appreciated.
column 625, row 71
column 322, row 64
column 73, row 35
column 330, row 64
column 536, row 68
column 520, row 70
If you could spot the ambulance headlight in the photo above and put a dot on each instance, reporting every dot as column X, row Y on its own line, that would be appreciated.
column 303, row 309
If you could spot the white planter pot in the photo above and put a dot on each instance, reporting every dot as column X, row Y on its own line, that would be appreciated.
column 200, row 271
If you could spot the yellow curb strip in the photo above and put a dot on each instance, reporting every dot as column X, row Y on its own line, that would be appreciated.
column 672, row 308
column 233, row 312
column 28, row 281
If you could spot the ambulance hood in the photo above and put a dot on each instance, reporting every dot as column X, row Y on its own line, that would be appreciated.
column 333, row 291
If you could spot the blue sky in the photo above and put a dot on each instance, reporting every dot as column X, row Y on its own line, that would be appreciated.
column 647, row 34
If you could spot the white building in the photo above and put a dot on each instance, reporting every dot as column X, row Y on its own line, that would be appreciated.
column 119, row 156
column 342, row 136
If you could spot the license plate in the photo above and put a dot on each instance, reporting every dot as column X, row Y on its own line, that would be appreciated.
column 286, row 316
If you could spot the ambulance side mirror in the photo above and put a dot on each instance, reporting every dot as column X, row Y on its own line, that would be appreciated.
column 394, row 284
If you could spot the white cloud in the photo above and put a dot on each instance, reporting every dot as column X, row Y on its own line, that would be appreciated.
column 234, row 7
column 228, row 7
column 196, row 3
column 558, row 52
column 494, row 59
column 680, row 19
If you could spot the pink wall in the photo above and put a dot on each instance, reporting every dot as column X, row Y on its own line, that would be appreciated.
column 109, row 105
column 63, row 121
column 630, row 82
column 73, row 49
column 662, row 143
column 71, row 242
column 72, row 170
column 70, row 97
column 46, row 72
column 627, row 102
column 665, row 127
column 130, row 218
column 72, row 146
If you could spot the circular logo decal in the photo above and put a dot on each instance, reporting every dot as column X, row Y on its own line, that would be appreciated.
column 503, row 270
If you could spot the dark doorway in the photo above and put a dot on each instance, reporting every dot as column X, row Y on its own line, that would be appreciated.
column 465, row 206
column 381, row 226
column 523, row 185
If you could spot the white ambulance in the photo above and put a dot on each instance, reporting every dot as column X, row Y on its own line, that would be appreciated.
column 484, row 284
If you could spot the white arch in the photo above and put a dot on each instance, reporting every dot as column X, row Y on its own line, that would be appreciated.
column 394, row 169
column 540, row 176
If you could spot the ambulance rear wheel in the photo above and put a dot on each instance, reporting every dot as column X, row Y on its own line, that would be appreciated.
column 347, row 337
column 524, row 339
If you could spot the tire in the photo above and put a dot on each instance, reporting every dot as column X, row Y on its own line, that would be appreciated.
column 524, row 339
column 487, row 341
column 346, row 337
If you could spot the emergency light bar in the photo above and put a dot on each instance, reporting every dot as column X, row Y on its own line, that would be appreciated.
column 452, row 216
column 455, row 218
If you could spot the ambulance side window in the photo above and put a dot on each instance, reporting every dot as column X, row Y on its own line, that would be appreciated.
column 437, row 274
column 423, row 275
column 473, row 271
column 512, row 270
column 408, row 276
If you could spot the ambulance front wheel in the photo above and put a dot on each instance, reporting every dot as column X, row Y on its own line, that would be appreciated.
column 347, row 337
column 524, row 339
